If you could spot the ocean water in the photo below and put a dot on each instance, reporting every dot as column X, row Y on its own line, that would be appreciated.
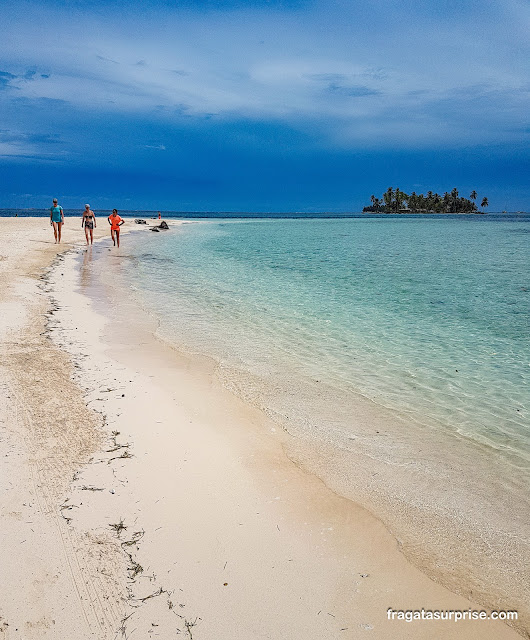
column 390, row 352
column 426, row 316
column 185, row 215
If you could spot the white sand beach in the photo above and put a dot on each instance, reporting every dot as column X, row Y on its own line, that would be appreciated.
column 140, row 498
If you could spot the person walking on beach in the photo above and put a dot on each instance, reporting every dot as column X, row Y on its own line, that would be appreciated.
column 56, row 220
column 89, row 222
column 115, row 223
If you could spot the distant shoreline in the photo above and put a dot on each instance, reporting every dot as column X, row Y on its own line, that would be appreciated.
column 296, row 215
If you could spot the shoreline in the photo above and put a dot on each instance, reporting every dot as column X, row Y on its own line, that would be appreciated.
column 130, row 312
column 453, row 504
column 226, row 520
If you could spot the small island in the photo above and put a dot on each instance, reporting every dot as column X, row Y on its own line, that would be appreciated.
column 397, row 201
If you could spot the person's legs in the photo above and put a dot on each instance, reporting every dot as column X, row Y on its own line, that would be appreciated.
column 59, row 225
column 55, row 230
column 91, row 236
column 86, row 233
column 118, row 237
column 112, row 236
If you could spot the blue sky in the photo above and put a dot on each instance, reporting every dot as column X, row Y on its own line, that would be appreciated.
column 293, row 105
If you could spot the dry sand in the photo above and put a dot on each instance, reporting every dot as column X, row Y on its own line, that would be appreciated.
column 141, row 499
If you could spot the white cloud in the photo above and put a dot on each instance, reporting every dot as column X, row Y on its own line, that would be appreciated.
column 356, row 84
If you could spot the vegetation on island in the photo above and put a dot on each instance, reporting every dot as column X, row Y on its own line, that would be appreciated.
column 397, row 201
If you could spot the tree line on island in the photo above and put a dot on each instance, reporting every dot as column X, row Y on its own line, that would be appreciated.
column 397, row 201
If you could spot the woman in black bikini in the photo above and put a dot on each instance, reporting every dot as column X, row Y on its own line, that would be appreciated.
column 89, row 222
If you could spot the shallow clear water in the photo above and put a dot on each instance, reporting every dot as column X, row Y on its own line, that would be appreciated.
column 425, row 315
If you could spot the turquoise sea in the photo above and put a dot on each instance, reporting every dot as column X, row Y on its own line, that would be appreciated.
column 425, row 315
column 390, row 352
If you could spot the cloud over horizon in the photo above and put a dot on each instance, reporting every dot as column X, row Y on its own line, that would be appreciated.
column 344, row 76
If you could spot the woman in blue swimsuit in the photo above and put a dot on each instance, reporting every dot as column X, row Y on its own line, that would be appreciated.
column 56, row 220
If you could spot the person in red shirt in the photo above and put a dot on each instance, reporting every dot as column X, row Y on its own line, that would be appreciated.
column 115, row 223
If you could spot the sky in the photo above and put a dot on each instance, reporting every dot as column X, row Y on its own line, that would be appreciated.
column 262, row 105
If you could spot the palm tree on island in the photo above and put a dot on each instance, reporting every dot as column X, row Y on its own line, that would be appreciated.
column 397, row 201
column 388, row 197
column 484, row 204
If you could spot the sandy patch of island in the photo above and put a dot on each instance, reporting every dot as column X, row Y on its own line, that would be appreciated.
column 142, row 499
